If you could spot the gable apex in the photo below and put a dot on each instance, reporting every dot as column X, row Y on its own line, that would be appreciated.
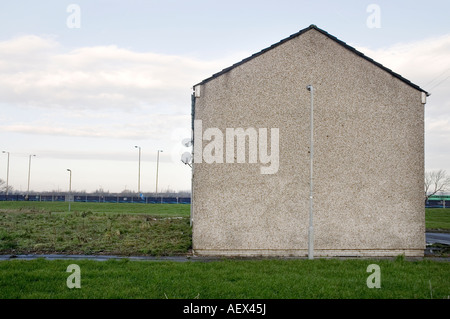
column 299, row 33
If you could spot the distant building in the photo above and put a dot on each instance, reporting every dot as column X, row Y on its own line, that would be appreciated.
column 251, row 195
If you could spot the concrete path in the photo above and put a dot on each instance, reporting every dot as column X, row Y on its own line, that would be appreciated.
column 105, row 258
column 431, row 238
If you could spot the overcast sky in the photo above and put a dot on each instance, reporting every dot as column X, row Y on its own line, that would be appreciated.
column 81, row 85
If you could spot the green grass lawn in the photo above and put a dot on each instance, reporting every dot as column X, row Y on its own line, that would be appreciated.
column 227, row 279
column 437, row 219
column 147, row 229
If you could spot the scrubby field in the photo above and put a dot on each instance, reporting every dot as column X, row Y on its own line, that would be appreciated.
column 94, row 228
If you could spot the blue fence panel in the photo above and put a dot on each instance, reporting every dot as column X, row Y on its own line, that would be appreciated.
column 139, row 200
column 184, row 200
column 46, row 198
column 33, row 198
column 110, row 199
column 13, row 198
column 434, row 204
column 125, row 199
column 117, row 199
column 93, row 199
column 79, row 199
column 169, row 200
column 152, row 200
column 59, row 198
column 101, row 199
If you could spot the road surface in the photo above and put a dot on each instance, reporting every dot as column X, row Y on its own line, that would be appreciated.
column 438, row 238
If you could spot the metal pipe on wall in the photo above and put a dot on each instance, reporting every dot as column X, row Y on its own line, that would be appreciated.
column 311, row 185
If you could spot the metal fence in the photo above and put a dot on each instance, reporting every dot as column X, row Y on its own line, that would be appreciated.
column 438, row 201
column 437, row 204
column 430, row 203
column 97, row 199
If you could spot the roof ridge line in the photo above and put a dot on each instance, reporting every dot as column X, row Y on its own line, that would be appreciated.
column 332, row 37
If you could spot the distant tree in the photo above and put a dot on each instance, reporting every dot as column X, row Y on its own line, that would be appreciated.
column 127, row 192
column 436, row 182
column 100, row 191
column 3, row 187
column 184, row 193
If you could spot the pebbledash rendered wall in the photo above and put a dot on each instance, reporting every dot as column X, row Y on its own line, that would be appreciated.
column 368, row 153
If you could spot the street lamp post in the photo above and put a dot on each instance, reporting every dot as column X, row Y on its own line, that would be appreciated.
column 7, row 174
column 70, row 185
column 157, row 167
column 139, row 170
column 29, row 173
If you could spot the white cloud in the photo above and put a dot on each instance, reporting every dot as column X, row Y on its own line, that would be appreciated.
column 439, row 125
column 425, row 63
column 154, row 126
column 26, row 45
column 426, row 57
column 34, row 72
column 98, row 92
